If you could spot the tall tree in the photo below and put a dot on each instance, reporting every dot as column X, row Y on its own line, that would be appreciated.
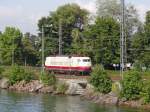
column 102, row 41
column 147, row 30
column 71, row 17
column 50, row 32
column 145, row 56
column 141, row 44
column 10, row 42
column 77, row 42
column 29, row 52
column 112, row 8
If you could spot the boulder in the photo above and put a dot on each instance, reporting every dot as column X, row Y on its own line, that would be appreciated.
column 4, row 83
column 46, row 89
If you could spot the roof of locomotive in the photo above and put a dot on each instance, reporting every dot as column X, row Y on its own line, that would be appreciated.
column 69, row 56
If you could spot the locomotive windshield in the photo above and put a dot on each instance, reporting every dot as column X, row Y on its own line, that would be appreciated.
column 86, row 60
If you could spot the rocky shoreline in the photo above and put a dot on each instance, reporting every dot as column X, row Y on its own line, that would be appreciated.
column 112, row 99
column 103, row 99
column 22, row 86
column 38, row 87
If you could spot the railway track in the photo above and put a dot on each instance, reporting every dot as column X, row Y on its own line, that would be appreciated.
column 72, row 77
column 85, row 77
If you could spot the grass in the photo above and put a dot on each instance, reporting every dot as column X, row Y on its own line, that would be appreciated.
column 113, row 72
column 117, row 73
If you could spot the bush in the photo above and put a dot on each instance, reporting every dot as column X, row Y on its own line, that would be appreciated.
column 17, row 74
column 28, row 76
column 1, row 71
column 132, row 85
column 48, row 79
column 100, row 80
column 146, row 92
column 61, row 88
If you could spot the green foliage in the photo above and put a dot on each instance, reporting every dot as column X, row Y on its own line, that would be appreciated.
column 1, row 71
column 132, row 85
column 102, row 41
column 50, row 33
column 17, row 74
column 28, row 76
column 29, row 53
column 141, row 44
column 71, row 17
column 48, row 79
column 61, row 88
column 100, row 80
column 10, row 40
column 146, row 92
column 77, row 42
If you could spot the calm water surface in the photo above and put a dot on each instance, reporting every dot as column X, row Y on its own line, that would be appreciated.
column 24, row 102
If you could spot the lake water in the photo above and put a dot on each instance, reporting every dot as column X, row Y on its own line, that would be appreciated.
column 25, row 102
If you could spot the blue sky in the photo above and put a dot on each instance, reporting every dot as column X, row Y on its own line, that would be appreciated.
column 24, row 14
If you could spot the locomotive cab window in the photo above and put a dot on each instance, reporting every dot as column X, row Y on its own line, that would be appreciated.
column 86, row 60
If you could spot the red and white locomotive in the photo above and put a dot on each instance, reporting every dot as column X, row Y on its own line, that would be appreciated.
column 68, row 63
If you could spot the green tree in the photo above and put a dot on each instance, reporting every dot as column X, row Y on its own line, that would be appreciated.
column 102, row 41
column 71, row 17
column 111, row 8
column 29, row 53
column 77, row 42
column 10, row 41
column 145, row 56
column 141, row 44
column 50, row 35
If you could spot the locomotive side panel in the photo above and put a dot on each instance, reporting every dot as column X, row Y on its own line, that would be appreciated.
column 68, row 64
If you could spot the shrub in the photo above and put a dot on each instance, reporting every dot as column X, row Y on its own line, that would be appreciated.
column 100, row 80
column 28, row 76
column 17, row 74
column 146, row 92
column 132, row 85
column 1, row 71
column 48, row 79
column 61, row 88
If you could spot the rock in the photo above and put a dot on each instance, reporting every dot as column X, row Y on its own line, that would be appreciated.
column 99, row 98
column 34, row 86
column 46, row 89
column 71, row 89
column 4, row 83
column 110, row 99
column 134, row 104
column 123, row 99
